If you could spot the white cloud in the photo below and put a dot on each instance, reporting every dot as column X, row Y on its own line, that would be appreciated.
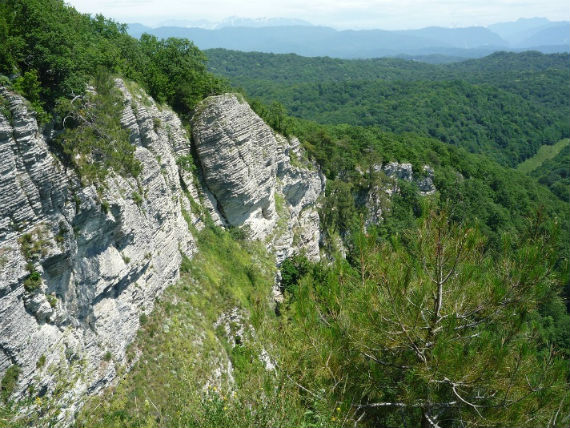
column 387, row 14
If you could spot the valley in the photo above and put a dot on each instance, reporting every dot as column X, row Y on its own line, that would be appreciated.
column 219, row 238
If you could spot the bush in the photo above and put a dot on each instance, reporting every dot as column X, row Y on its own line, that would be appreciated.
column 33, row 282
column 41, row 362
column 52, row 300
column 137, row 198
column 292, row 270
column 9, row 382
column 94, row 140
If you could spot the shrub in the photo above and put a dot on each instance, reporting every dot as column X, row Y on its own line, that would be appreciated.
column 41, row 362
column 9, row 382
column 137, row 198
column 33, row 282
column 52, row 300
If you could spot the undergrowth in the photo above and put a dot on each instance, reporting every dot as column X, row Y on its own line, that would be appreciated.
column 180, row 378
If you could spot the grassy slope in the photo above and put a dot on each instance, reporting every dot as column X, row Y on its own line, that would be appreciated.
column 174, row 382
column 545, row 153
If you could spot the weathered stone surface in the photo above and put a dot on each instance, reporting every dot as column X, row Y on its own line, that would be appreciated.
column 249, row 171
column 100, row 268
column 425, row 184
column 376, row 201
column 237, row 154
column 103, row 255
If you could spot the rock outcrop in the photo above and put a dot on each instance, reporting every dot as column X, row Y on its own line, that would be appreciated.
column 79, row 265
column 377, row 198
column 259, row 179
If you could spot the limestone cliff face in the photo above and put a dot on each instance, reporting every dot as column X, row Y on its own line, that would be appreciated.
column 257, row 178
column 103, row 257
column 80, row 264
column 390, row 173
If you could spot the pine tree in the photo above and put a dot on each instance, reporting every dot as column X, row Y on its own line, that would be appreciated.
column 432, row 330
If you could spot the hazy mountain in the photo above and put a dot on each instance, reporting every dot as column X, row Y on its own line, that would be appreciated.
column 323, row 41
column 136, row 30
column 558, row 34
column 468, row 38
column 236, row 21
column 532, row 32
column 277, row 35
column 511, row 31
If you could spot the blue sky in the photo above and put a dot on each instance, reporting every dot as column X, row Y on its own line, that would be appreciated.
column 385, row 14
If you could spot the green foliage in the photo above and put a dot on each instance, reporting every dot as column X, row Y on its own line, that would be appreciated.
column 555, row 173
column 187, row 163
column 94, row 140
column 55, row 49
column 545, row 153
column 9, row 382
column 33, row 245
column 175, row 72
column 171, row 384
column 30, row 87
column 292, row 270
column 482, row 191
column 52, row 300
column 505, row 106
column 33, row 282
column 41, row 361
column 431, row 326
column 137, row 198
column 502, row 69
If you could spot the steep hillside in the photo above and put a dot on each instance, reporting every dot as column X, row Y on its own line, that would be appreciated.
column 83, row 263
column 172, row 255
column 505, row 106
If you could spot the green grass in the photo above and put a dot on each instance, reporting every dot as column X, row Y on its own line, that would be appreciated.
column 545, row 153
column 173, row 382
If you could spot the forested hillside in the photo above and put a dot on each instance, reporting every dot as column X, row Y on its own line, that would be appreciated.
column 505, row 106
column 438, row 308
column 53, row 51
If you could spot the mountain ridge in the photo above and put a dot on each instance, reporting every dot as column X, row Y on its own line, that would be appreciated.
column 464, row 42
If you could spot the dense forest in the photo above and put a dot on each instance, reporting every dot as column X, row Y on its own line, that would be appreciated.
column 554, row 174
column 449, row 312
column 505, row 106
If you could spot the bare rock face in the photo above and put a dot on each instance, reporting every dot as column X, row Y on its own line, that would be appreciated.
column 79, row 265
column 376, row 200
column 237, row 154
column 250, row 172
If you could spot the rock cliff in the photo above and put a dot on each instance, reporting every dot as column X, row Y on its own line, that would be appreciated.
column 259, row 179
column 80, row 264
column 376, row 200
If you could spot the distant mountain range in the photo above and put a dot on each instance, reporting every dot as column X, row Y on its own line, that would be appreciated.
column 280, row 35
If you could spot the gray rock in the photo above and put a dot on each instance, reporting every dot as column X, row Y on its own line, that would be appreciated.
column 100, row 269
column 103, row 258
column 375, row 200
column 237, row 154
column 258, row 179
column 401, row 171
column 425, row 184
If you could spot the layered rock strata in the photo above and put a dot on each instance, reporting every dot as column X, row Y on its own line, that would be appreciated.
column 260, row 180
column 79, row 265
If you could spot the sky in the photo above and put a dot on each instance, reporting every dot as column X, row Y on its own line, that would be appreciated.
column 341, row 14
